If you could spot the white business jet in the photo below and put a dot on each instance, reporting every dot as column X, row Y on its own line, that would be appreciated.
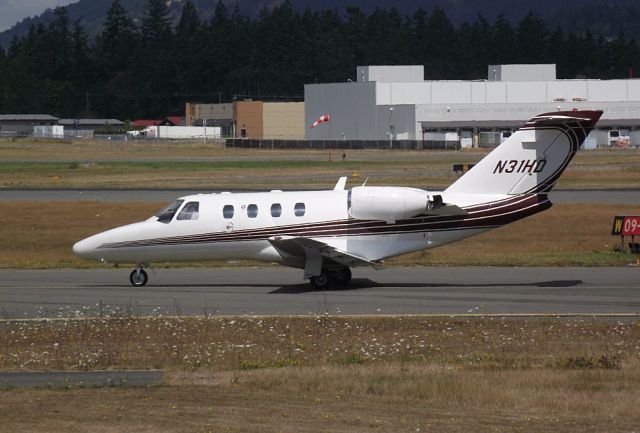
column 328, row 232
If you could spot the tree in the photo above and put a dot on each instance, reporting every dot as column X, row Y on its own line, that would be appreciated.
column 3, row 83
column 82, row 73
column 116, row 41
column 57, row 45
column 188, row 48
column 150, row 72
column 503, row 48
column 386, row 41
column 532, row 35
column 330, row 58
column 278, row 65
column 355, row 34
column 156, row 23
column 440, row 37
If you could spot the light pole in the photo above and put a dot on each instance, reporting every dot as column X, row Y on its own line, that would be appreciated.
column 390, row 128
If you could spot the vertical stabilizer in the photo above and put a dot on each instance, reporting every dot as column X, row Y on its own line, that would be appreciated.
column 532, row 159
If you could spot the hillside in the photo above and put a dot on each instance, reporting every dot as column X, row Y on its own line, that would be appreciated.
column 607, row 18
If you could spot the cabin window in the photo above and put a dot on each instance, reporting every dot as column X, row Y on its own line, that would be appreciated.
column 190, row 211
column 166, row 214
column 299, row 209
column 276, row 210
column 227, row 211
column 252, row 210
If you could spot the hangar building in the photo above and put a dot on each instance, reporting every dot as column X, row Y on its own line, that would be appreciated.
column 22, row 124
column 397, row 103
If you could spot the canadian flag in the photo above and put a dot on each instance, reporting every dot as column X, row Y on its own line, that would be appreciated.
column 321, row 119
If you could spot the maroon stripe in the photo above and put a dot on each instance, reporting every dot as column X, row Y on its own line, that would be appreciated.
column 510, row 211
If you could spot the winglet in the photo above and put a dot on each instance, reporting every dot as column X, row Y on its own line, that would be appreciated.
column 342, row 182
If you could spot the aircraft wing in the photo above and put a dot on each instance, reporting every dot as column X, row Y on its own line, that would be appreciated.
column 312, row 250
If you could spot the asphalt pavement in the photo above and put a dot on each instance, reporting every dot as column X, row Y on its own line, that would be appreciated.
column 281, row 291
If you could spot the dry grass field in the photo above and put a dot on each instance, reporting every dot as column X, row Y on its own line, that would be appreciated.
column 338, row 374
column 40, row 235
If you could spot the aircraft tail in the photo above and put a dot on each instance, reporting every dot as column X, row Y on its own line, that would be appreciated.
column 532, row 159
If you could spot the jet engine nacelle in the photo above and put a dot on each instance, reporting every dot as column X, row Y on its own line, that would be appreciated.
column 387, row 203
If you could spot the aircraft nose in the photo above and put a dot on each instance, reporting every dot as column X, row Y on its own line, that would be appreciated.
column 85, row 248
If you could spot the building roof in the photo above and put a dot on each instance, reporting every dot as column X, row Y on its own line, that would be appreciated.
column 83, row 122
column 146, row 122
column 27, row 117
column 173, row 121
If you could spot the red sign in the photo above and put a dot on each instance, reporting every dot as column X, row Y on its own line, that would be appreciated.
column 626, row 225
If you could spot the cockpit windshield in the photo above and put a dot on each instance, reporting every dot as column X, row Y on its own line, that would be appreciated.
column 166, row 214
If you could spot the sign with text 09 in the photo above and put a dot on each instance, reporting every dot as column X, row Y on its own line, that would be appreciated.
column 626, row 225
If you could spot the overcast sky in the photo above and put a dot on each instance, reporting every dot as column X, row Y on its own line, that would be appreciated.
column 12, row 11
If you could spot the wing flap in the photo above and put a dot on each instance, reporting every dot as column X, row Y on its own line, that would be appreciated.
column 312, row 247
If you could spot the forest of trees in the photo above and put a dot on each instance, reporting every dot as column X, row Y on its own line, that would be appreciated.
column 149, row 68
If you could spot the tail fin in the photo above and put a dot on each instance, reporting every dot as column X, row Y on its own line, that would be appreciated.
column 533, row 158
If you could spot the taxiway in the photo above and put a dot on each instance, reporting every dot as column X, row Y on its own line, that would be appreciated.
column 281, row 291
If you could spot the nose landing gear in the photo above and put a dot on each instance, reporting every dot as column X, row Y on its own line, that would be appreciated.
column 138, row 277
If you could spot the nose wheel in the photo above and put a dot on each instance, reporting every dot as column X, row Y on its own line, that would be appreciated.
column 138, row 277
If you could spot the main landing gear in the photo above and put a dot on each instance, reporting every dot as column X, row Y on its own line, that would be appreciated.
column 328, row 279
column 138, row 277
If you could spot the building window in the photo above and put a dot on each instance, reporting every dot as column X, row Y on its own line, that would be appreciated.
column 252, row 210
column 227, row 211
column 190, row 211
column 299, row 209
column 276, row 210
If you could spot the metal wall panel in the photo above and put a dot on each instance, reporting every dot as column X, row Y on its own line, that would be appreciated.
column 283, row 120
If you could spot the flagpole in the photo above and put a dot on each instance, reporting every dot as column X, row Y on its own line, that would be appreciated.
column 329, row 141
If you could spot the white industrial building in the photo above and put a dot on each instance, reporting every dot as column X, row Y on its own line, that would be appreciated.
column 396, row 103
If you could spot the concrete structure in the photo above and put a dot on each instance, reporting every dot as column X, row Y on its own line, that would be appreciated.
column 85, row 128
column 250, row 119
column 48, row 131
column 22, row 124
column 247, row 117
column 521, row 72
column 215, row 115
column 395, row 103
column 91, row 124
column 166, row 132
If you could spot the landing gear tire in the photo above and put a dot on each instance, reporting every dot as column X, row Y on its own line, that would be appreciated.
column 322, row 281
column 342, row 277
column 138, row 277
